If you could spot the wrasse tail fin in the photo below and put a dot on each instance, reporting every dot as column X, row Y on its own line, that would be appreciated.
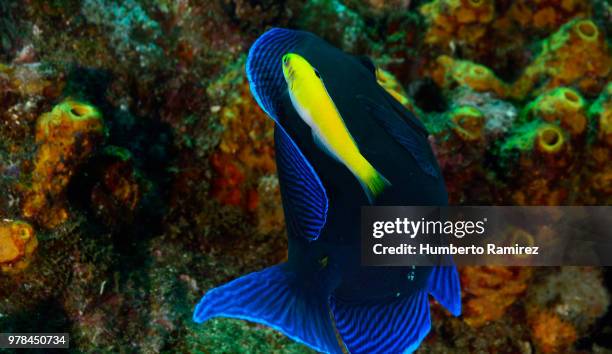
column 397, row 326
column 373, row 184
column 277, row 298
column 445, row 287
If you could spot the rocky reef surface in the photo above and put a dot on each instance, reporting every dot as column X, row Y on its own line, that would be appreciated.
column 136, row 171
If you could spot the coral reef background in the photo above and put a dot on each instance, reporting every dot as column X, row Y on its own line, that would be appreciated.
column 136, row 171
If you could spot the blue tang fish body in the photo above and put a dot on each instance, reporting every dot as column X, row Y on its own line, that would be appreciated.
column 322, row 296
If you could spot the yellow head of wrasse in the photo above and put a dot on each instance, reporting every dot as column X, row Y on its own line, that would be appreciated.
column 297, row 69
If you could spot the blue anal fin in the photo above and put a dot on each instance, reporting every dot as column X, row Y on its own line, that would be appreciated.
column 277, row 298
column 304, row 198
column 415, row 142
column 396, row 326
column 445, row 287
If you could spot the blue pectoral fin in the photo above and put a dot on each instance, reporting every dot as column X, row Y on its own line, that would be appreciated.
column 276, row 298
column 397, row 326
column 411, row 137
column 445, row 287
column 304, row 197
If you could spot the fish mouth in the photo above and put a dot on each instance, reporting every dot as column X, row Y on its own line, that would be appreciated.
column 286, row 59
column 286, row 62
column 288, row 70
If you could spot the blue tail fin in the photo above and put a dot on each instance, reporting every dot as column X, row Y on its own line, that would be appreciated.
column 396, row 326
column 444, row 286
column 277, row 298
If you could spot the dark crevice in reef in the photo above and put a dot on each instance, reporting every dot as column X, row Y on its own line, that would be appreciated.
column 147, row 141
column 428, row 96
column 49, row 318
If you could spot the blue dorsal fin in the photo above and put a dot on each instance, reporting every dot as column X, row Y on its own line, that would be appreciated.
column 410, row 136
column 263, row 67
column 279, row 299
column 304, row 198
column 367, row 63
column 445, row 287
column 396, row 326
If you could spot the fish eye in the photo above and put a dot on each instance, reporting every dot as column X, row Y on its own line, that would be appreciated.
column 317, row 73
column 285, row 60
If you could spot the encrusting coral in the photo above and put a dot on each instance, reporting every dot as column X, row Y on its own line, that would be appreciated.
column 66, row 136
column 551, row 333
column 117, row 192
column 17, row 244
column 245, row 153
column 560, row 309
column 489, row 290
column 457, row 20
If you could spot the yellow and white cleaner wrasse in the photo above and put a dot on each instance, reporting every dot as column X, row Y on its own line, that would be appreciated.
column 316, row 107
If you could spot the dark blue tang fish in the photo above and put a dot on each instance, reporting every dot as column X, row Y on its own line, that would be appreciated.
column 322, row 296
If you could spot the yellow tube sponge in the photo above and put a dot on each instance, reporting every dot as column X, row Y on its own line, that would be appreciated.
column 576, row 55
column 549, row 139
column 563, row 105
column 449, row 73
column 467, row 123
column 17, row 244
column 66, row 137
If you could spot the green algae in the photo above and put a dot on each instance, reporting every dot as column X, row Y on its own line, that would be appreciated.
column 237, row 336
column 521, row 138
